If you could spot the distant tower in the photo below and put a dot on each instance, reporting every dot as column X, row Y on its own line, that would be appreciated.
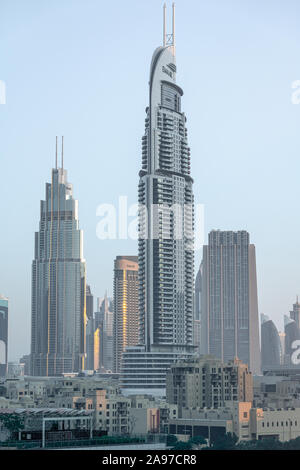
column 104, row 320
column 89, row 302
column 3, row 335
column 282, row 346
column 229, row 325
column 270, row 343
column 126, row 308
column 295, row 313
column 58, row 283
column 197, row 309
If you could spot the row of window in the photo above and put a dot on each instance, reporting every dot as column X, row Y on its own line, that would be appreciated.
column 287, row 423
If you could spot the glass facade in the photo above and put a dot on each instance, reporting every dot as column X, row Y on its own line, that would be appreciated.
column 58, row 284
column 166, row 259
column 229, row 311
column 166, row 225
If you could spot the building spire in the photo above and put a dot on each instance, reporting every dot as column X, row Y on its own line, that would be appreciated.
column 164, row 26
column 173, row 28
column 56, row 154
column 62, row 152
column 169, row 39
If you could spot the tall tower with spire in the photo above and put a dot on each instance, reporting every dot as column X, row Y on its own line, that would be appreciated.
column 58, row 282
column 166, row 223
column 295, row 313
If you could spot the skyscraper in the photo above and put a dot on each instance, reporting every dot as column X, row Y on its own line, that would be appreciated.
column 295, row 313
column 281, row 335
column 58, row 283
column 3, row 335
column 166, row 223
column 229, row 310
column 270, row 343
column 126, row 308
column 107, row 338
column 89, row 302
column 197, row 308
column 92, row 345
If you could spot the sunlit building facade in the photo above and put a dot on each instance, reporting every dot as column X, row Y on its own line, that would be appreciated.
column 126, row 308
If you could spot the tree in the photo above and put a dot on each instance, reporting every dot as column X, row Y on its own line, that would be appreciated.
column 180, row 445
column 12, row 422
column 225, row 442
column 171, row 440
column 198, row 441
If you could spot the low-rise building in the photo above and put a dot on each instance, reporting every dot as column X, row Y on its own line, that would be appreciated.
column 281, row 424
column 241, row 419
column 207, row 382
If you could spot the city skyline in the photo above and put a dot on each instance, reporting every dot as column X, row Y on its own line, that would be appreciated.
column 33, row 151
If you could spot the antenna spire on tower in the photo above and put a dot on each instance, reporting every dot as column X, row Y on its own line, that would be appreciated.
column 173, row 27
column 164, row 26
column 169, row 39
column 62, row 152
column 56, row 154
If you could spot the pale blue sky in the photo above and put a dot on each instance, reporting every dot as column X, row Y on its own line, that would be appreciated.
column 80, row 68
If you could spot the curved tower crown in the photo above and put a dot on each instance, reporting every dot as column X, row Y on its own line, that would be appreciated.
column 166, row 260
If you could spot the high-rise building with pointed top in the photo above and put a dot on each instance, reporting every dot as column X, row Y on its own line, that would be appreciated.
column 295, row 313
column 166, row 223
column 58, row 283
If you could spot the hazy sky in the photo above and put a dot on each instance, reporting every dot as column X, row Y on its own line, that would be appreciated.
column 80, row 68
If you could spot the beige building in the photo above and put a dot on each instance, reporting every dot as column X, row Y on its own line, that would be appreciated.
column 240, row 418
column 282, row 424
column 144, row 420
column 207, row 382
column 111, row 410
column 150, row 415
column 126, row 307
